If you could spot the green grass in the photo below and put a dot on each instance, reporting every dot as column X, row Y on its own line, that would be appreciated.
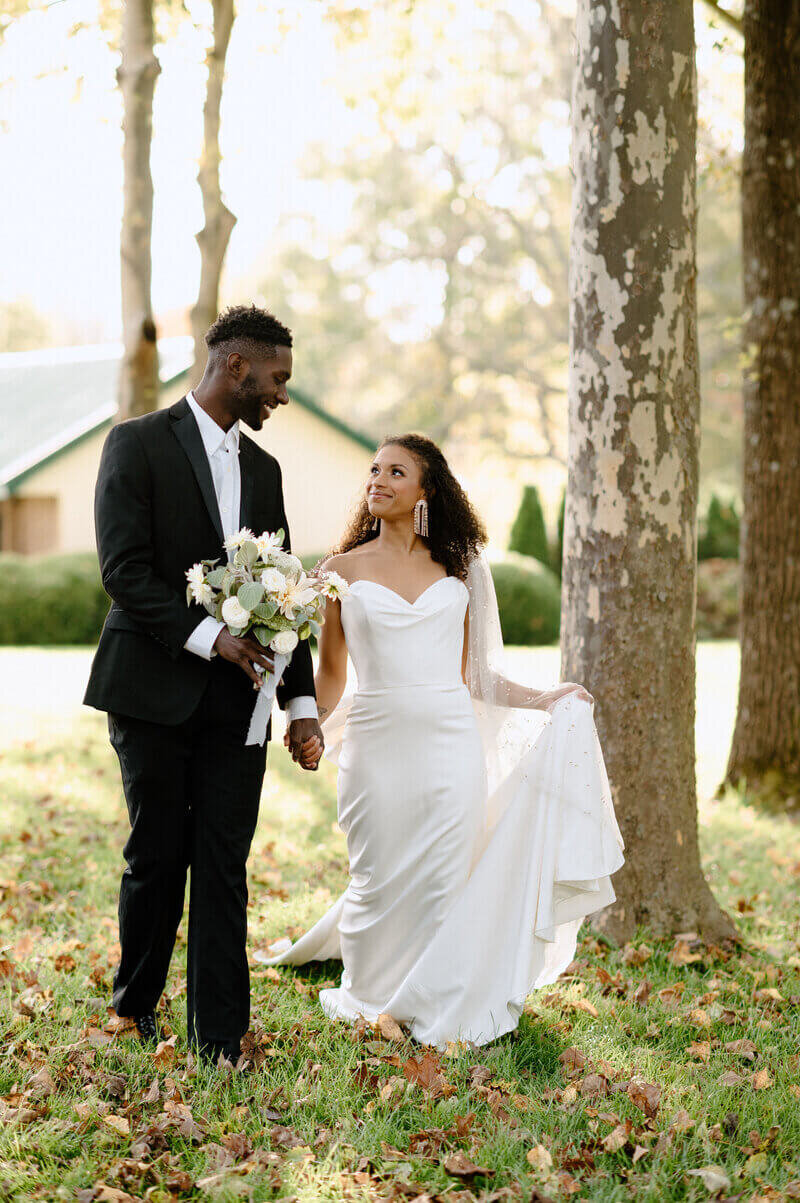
column 311, row 1122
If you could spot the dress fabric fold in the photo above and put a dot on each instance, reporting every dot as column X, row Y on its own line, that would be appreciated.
column 480, row 834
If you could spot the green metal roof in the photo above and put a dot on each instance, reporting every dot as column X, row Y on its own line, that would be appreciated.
column 53, row 399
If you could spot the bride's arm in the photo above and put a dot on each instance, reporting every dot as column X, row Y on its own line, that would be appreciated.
column 511, row 694
column 331, row 675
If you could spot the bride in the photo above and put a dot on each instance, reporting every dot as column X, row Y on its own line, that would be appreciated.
column 477, row 811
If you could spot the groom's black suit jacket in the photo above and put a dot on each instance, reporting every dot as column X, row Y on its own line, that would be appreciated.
column 156, row 514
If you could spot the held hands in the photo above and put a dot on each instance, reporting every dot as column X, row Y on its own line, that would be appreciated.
column 549, row 698
column 245, row 652
column 305, row 741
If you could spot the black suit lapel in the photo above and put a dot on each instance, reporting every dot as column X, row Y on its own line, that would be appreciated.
column 186, row 431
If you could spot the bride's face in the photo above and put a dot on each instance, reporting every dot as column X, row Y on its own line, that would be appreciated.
column 394, row 483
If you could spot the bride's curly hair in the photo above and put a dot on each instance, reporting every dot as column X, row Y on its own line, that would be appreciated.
column 456, row 533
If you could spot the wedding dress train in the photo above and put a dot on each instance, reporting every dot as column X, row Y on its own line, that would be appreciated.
column 479, row 835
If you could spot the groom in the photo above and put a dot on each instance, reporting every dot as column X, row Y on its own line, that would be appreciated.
column 179, row 688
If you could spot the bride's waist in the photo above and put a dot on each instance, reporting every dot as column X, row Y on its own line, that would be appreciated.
column 370, row 690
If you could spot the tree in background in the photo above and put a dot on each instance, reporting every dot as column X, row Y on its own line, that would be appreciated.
column 719, row 531
column 219, row 221
column 630, row 549
column 766, row 737
column 529, row 534
column 136, row 75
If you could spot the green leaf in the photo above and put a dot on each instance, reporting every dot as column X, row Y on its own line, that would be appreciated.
column 265, row 610
column 263, row 635
column 216, row 578
column 316, row 628
column 250, row 595
column 247, row 554
column 304, row 631
column 189, row 595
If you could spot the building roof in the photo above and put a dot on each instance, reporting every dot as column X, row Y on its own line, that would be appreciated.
column 52, row 399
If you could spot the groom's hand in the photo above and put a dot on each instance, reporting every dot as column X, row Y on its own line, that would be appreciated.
column 305, row 741
column 245, row 652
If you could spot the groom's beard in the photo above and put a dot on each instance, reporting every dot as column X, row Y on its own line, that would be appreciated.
column 252, row 403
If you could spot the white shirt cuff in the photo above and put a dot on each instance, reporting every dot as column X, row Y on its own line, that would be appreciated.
column 302, row 707
column 201, row 641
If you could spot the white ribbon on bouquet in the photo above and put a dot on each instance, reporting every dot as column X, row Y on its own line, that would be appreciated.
column 259, row 720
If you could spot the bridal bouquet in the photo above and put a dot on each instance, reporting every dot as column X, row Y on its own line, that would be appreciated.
column 264, row 591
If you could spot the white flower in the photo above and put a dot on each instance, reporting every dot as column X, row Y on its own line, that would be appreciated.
column 234, row 612
column 284, row 642
column 334, row 585
column 286, row 562
column 267, row 543
column 201, row 592
column 235, row 541
column 273, row 581
column 296, row 595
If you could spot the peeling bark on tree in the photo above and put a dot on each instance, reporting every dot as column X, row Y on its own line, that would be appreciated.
column 766, row 740
column 219, row 221
column 630, row 522
column 136, row 76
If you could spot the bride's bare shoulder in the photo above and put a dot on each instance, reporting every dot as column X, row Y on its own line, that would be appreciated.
column 343, row 564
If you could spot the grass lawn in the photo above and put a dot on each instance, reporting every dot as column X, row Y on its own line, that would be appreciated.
column 661, row 1071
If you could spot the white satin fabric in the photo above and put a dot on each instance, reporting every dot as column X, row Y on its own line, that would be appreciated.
column 473, row 859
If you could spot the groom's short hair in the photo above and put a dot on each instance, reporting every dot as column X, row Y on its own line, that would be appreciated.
column 251, row 331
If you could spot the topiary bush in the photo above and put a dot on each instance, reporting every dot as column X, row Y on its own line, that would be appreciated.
column 718, row 533
column 529, row 600
column 51, row 599
column 529, row 534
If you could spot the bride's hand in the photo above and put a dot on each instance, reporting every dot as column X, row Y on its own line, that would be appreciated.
column 561, row 691
column 310, row 751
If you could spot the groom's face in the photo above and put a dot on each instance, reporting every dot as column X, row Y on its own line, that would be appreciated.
column 261, row 387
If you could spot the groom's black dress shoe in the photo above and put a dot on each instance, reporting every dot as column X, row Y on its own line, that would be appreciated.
column 147, row 1027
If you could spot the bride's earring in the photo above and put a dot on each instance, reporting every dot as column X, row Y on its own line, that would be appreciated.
column 421, row 517
column 376, row 524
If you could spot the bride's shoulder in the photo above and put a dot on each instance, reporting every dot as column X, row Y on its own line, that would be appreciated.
column 341, row 564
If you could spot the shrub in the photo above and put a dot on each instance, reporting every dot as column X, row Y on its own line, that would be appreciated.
column 529, row 534
column 718, row 534
column 558, row 546
column 718, row 599
column 529, row 600
column 51, row 599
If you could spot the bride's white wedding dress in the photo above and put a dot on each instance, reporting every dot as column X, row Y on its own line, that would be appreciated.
column 479, row 835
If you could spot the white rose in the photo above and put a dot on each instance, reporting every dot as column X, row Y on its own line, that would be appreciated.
column 273, row 580
column 284, row 642
column 234, row 613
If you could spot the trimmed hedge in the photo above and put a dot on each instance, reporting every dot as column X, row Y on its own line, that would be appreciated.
column 50, row 600
column 528, row 534
column 718, row 533
column 529, row 600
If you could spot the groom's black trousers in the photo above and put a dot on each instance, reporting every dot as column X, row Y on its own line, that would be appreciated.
column 192, row 792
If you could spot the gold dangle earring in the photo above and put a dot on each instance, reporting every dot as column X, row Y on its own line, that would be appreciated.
column 421, row 518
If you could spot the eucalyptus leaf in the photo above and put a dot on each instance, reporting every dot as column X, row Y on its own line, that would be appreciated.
column 216, row 577
column 265, row 610
column 189, row 595
column 250, row 595
column 316, row 628
column 264, row 635
column 249, row 553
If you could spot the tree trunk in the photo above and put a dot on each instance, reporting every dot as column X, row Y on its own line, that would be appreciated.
column 136, row 76
column 766, row 740
column 219, row 221
column 630, row 522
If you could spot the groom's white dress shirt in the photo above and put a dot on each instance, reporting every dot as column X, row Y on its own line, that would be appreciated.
column 222, row 449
